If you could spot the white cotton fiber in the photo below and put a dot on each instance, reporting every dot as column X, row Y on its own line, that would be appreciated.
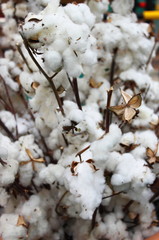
column 52, row 60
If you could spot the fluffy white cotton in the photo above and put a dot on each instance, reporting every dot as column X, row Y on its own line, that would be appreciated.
column 52, row 173
column 146, row 116
column 98, row 8
column 122, row 7
column 28, row 167
column 138, row 172
column 9, row 229
column 6, row 69
column 87, row 186
column 101, row 148
column 146, row 138
column 53, row 60
column 4, row 196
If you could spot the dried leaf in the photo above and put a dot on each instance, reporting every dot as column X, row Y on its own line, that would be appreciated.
column 149, row 152
column 129, row 113
column 151, row 160
column 135, row 101
column 90, row 161
column 25, row 162
column 60, row 89
column 94, row 84
column 126, row 96
column 35, row 85
column 39, row 160
column 21, row 222
column 132, row 215
column 34, row 20
column 29, row 153
column 119, row 110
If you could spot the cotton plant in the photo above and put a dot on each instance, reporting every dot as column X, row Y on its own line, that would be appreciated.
column 79, row 148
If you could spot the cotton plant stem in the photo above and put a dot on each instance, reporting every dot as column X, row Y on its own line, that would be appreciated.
column 59, row 202
column 76, row 90
column 150, row 57
column 52, row 85
column 113, row 195
column 23, row 57
column 74, row 85
column 93, row 223
column 9, row 133
column 12, row 106
column 108, row 113
column 109, row 93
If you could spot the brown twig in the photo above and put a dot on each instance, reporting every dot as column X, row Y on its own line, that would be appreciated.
column 107, row 111
column 49, row 79
column 150, row 57
column 112, row 195
column 59, row 202
column 75, row 89
column 7, row 130
column 93, row 223
column 23, row 57
column 11, row 105
column 107, row 116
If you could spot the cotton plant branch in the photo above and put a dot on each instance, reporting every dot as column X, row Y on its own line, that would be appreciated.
column 151, row 53
column 23, row 57
column 49, row 79
column 107, row 116
column 74, row 85
column 9, row 133
column 11, row 105
column 59, row 202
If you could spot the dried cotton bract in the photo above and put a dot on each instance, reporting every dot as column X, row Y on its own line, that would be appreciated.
column 127, row 110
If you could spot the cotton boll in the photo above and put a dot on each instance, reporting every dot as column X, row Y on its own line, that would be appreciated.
column 106, row 144
column 146, row 139
column 5, row 69
column 113, row 160
column 145, row 116
column 71, row 65
column 52, row 173
column 52, row 60
column 8, row 9
column 127, row 139
column 28, row 153
column 3, row 197
column 41, row 102
column 115, row 229
column 122, row 7
column 139, row 174
column 89, row 57
column 21, row 10
column 76, row 115
column 51, row 7
column 86, row 178
column 59, row 44
column 9, row 229
column 98, row 8
column 139, row 152
column 80, row 14
column 124, row 60
column 31, row 209
column 8, row 172
column 26, row 80
column 141, row 79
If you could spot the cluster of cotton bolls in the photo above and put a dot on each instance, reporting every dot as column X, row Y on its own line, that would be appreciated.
column 68, row 168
